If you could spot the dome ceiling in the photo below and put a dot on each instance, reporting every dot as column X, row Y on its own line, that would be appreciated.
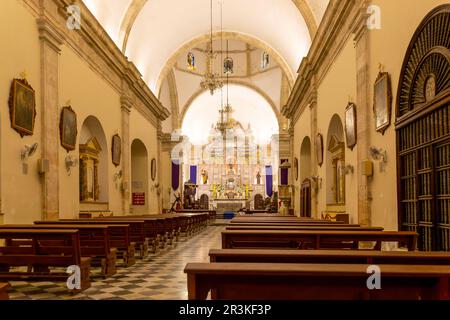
column 152, row 31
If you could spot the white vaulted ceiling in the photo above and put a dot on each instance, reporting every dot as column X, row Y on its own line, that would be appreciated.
column 159, row 28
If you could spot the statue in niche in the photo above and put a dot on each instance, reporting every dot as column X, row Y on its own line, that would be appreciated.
column 265, row 60
column 258, row 177
column 205, row 176
column 89, row 163
column 228, row 65
column 191, row 61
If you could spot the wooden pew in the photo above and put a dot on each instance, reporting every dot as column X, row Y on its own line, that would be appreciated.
column 283, row 221
column 47, row 249
column 286, row 281
column 330, row 256
column 4, row 291
column 119, row 237
column 94, row 243
column 314, row 239
column 136, row 225
column 238, row 226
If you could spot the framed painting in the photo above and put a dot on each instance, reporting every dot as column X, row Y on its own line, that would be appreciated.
column 68, row 128
column 382, row 104
column 350, row 125
column 319, row 149
column 116, row 149
column 22, row 107
column 153, row 169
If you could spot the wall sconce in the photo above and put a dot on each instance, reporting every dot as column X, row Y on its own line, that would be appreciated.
column 27, row 151
column 348, row 169
column 317, row 182
column 380, row 155
column 71, row 162
column 156, row 187
column 117, row 176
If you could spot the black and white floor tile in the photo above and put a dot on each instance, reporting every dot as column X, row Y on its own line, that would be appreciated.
column 160, row 276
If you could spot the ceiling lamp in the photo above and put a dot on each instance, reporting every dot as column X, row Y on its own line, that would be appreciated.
column 211, row 81
column 226, row 121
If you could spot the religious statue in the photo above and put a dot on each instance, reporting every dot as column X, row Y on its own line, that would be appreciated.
column 228, row 65
column 204, row 176
column 191, row 61
column 258, row 178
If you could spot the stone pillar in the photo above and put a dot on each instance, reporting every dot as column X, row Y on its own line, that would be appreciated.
column 292, row 171
column 363, row 103
column 50, row 47
column 314, row 165
column 126, row 106
column 159, row 191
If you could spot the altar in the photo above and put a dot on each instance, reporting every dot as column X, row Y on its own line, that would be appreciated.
column 223, row 205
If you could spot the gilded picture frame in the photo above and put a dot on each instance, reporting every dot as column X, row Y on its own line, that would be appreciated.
column 68, row 128
column 22, row 107
column 350, row 126
column 116, row 149
column 153, row 169
column 319, row 149
column 382, row 102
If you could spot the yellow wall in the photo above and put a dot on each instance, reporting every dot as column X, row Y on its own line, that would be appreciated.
column 21, row 195
column 302, row 129
column 166, row 179
column 399, row 21
column 89, row 96
column 141, row 129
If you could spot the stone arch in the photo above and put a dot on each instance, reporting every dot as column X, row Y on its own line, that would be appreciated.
column 94, row 174
column 139, row 177
column 335, row 161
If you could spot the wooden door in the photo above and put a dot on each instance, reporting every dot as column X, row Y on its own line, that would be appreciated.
column 305, row 199
column 423, row 135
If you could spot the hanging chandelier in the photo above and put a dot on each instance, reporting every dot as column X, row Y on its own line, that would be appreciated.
column 211, row 81
column 226, row 121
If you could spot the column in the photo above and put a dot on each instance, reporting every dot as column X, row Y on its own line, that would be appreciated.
column 363, row 103
column 158, row 165
column 314, row 165
column 50, row 43
column 126, row 106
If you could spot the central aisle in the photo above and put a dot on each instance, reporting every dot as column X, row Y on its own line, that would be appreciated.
column 158, row 277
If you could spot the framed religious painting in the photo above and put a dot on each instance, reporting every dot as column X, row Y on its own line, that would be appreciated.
column 350, row 125
column 153, row 169
column 319, row 149
column 68, row 128
column 296, row 168
column 116, row 149
column 382, row 104
column 22, row 107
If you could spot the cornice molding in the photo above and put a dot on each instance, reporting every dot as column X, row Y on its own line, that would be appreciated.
column 49, row 34
column 342, row 19
column 92, row 44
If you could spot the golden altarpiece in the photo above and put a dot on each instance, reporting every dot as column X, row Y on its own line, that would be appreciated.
column 89, row 161
column 231, row 166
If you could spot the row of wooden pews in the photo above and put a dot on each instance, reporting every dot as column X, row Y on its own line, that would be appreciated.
column 288, row 258
column 45, row 249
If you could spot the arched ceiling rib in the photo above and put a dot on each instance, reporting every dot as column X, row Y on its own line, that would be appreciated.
column 153, row 30
column 176, row 22
column 168, row 65
column 128, row 21
column 110, row 13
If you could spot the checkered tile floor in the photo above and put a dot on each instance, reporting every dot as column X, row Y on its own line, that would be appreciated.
column 158, row 277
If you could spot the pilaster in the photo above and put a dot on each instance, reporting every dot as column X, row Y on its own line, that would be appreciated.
column 50, row 48
column 126, row 107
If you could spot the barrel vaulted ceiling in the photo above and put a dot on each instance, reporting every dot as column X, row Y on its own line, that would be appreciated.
column 150, row 32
